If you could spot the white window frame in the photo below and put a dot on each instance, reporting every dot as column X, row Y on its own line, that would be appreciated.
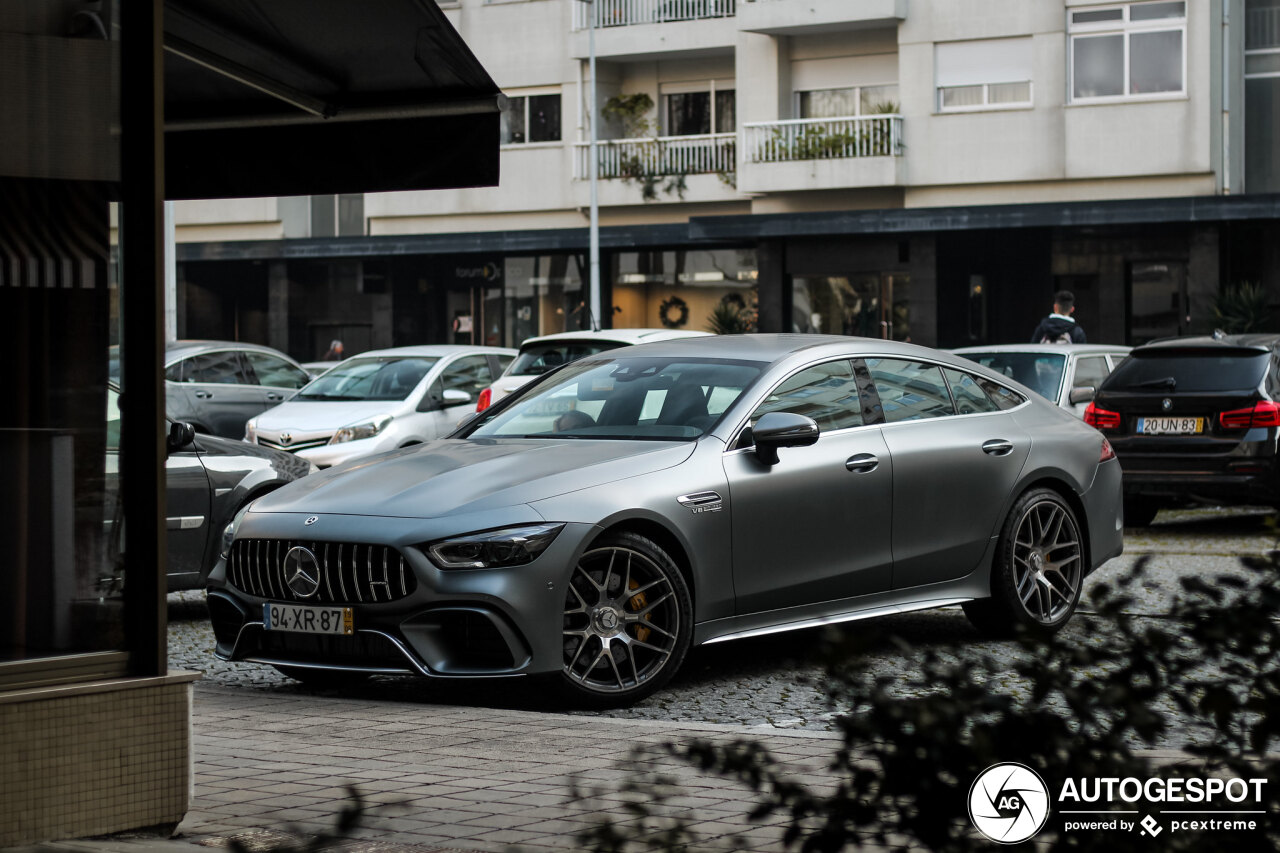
column 1125, row 28
column 987, row 105
column 693, row 88
column 533, row 93
column 857, row 97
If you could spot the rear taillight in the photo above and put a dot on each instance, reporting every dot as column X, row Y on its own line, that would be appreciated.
column 484, row 400
column 1108, row 452
column 1100, row 418
column 1264, row 413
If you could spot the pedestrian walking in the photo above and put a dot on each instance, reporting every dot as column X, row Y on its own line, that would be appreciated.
column 1060, row 327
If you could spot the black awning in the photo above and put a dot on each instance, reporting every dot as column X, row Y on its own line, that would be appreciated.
column 305, row 97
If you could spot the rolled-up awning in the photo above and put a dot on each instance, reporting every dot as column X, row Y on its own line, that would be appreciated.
column 307, row 97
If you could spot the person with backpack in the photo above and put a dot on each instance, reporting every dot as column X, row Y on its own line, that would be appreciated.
column 1060, row 327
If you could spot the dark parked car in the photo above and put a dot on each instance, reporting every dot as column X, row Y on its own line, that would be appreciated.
column 208, row 480
column 605, row 517
column 216, row 386
column 1194, row 420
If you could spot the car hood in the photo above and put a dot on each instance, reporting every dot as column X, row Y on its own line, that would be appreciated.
column 317, row 415
column 454, row 476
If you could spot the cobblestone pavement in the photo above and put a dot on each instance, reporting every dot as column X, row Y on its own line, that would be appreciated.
column 775, row 682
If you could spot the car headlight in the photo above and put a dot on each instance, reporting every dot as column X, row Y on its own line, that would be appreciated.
column 251, row 431
column 492, row 549
column 229, row 532
column 368, row 429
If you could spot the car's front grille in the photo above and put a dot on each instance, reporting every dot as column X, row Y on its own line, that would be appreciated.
column 349, row 573
column 294, row 446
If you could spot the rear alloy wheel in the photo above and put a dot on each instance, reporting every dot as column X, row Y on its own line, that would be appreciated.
column 1039, row 568
column 627, row 622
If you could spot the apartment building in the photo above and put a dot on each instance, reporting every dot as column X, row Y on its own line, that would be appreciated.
column 930, row 170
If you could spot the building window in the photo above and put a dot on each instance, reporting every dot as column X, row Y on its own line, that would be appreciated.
column 1261, row 95
column 982, row 75
column 850, row 101
column 531, row 118
column 1132, row 51
column 699, row 109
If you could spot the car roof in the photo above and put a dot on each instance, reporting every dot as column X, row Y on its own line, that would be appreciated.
column 771, row 348
column 433, row 351
column 1214, row 341
column 624, row 336
column 174, row 350
column 1076, row 348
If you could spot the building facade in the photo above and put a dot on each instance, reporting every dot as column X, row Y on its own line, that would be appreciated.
column 931, row 170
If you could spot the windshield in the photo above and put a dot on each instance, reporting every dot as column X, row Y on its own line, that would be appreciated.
column 1041, row 372
column 1160, row 371
column 388, row 378
column 625, row 398
column 537, row 359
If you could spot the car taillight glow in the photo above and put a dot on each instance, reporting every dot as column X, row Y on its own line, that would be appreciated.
column 1108, row 452
column 1100, row 418
column 484, row 400
column 1265, row 413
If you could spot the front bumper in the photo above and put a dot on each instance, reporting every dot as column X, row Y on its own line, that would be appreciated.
column 446, row 623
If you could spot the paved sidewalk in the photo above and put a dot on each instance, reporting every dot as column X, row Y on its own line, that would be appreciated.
column 447, row 777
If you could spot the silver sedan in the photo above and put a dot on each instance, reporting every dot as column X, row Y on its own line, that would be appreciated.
column 598, row 523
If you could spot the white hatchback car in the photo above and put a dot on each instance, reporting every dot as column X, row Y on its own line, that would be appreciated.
column 380, row 400
column 538, row 355
column 1067, row 374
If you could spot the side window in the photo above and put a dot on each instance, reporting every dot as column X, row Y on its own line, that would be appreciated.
column 173, row 373
column 969, row 397
column 910, row 390
column 276, row 372
column 1004, row 398
column 222, row 368
column 470, row 374
column 1090, row 371
column 828, row 393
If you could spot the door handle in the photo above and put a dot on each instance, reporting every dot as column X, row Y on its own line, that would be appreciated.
column 204, row 395
column 997, row 447
column 861, row 463
column 274, row 396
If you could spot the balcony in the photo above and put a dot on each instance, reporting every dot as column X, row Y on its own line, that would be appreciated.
column 826, row 153
column 653, row 163
column 625, row 13
column 809, row 17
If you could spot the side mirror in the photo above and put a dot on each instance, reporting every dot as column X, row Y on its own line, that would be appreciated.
column 782, row 429
column 454, row 397
column 180, row 435
column 1082, row 394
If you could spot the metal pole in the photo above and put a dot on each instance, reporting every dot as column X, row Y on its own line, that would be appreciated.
column 597, row 310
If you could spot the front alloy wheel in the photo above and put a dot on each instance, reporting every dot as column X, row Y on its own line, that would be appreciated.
column 1039, row 568
column 627, row 622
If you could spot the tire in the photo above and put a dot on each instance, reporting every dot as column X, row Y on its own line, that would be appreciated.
column 627, row 624
column 323, row 677
column 1039, row 569
column 1140, row 512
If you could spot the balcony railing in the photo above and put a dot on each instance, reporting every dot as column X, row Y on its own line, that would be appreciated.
column 823, row 138
column 659, row 157
column 623, row 13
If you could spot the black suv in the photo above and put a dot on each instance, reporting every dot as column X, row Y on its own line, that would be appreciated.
column 1194, row 420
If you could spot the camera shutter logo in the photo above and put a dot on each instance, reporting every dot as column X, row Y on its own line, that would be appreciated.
column 1009, row 803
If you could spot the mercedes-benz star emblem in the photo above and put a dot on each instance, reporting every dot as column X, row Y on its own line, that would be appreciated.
column 311, row 520
column 302, row 572
column 286, row 438
column 1166, row 404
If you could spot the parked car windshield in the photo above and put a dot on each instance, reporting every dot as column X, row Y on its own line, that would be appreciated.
column 1041, row 372
column 1161, row 370
column 537, row 359
column 369, row 379
column 625, row 398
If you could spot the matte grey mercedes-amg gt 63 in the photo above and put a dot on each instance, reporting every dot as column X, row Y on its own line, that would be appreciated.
column 595, row 525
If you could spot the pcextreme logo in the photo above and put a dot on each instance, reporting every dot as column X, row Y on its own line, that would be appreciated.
column 1009, row 803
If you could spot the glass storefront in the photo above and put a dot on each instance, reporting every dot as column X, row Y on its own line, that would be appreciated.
column 709, row 290
column 871, row 305
column 544, row 295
